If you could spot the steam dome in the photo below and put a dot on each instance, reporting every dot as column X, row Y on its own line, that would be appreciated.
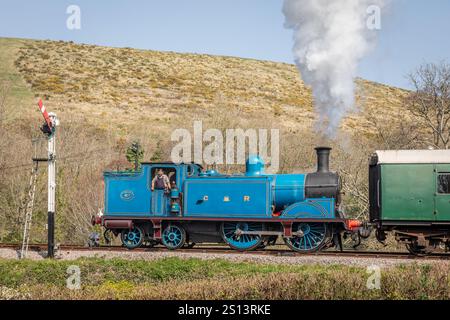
column 254, row 166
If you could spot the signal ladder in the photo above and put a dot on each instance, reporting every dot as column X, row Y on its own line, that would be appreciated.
column 29, row 210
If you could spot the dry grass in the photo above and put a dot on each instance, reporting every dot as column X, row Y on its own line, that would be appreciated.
column 216, row 279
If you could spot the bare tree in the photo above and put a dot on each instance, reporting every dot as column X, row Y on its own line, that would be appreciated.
column 404, row 133
column 431, row 100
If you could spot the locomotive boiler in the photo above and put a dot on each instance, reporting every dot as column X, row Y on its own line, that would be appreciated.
column 246, row 211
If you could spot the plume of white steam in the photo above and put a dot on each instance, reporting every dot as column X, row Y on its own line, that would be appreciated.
column 330, row 38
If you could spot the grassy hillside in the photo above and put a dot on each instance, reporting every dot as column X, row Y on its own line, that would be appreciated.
column 117, row 87
column 20, row 94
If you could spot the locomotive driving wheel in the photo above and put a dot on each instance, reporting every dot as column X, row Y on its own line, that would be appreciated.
column 132, row 238
column 231, row 234
column 173, row 237
column 308, row 237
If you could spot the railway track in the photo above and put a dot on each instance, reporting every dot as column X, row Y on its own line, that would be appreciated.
column 217, row 249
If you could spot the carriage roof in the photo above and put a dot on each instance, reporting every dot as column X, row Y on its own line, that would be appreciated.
column 411, row 156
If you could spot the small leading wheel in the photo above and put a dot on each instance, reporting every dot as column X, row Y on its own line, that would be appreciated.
column 173, row 237
column 309, row 237
column 132, row 238
column 242, row 242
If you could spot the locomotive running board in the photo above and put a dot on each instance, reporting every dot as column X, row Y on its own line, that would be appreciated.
column 267, row 233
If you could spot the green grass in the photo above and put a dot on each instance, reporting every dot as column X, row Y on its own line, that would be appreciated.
column 95, row 271
column 174, row 278
column 20, row 96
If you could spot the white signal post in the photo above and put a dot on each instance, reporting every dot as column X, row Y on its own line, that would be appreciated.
column 52, row 185
column 51, row 122
column 51, row 174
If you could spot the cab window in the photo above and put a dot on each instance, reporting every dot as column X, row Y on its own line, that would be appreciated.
column 170, row 172
column 444, row 183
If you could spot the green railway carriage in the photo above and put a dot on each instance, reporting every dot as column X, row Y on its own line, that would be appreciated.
column 409, row 192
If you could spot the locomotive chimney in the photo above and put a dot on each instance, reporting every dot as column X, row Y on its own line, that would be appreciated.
column 323, row 159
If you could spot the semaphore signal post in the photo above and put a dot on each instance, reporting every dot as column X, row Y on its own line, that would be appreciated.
column 49, row 130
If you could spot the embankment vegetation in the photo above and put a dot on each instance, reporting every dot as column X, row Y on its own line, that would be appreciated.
column 174, row 278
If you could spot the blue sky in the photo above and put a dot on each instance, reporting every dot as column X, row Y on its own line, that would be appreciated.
column 413, row 31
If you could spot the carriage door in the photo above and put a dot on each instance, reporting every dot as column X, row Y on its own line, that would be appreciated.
column 442, row 200
column 160, row 202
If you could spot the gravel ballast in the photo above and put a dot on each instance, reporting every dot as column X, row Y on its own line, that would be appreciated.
column 363, row 261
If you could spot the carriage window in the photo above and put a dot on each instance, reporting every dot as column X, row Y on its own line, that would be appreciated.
column 444, row 183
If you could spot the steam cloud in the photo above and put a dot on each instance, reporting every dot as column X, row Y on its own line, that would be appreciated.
column 330, row 38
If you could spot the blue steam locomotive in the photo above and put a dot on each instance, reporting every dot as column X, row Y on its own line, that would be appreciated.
column 245, row 211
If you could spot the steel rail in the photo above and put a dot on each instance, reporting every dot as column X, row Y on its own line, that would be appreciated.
column 218, row 249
